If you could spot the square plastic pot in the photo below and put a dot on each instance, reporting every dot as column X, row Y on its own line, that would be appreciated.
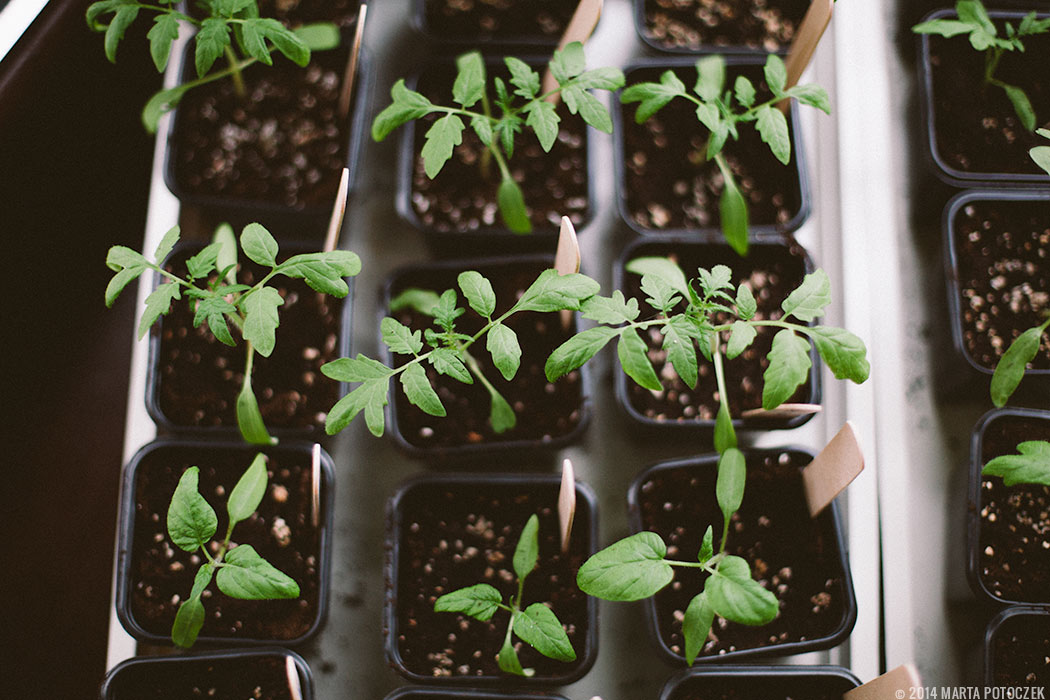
column 550, row 415
column 153, row 575
column 664, row 157
column 772, row 531
column 767, row 254
column 230, row 673
column 1017, row 645
column 193, row 380
column 768, row 682
column 677, row 27
column 411, row 693
column 514, row 24
column 480, row 518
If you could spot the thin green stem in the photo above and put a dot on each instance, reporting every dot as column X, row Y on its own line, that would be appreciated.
column 238, row 79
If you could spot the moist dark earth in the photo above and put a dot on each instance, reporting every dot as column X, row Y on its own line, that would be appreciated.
column 1002, row 252
column 454, row 535
column 759, row 686
column 767, row 25
column 1021, row 651
column 537, row 20
column 258, row 677
column 790, row 554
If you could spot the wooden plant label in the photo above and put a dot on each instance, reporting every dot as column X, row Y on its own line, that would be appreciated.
column 294, row 687
column 580, row 27
column 335, row 224
column 566, row 503
column 832, row 470
column 350, row 76
column 901, row 682
column 784, row 411
column 567, row 257
column 315, row 482
column 817, row 18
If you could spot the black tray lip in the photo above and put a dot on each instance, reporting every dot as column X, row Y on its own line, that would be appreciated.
column 482, row 449
column 832, row 523
column 973, row 509
column 392, row 545
column 729, row 49
column 951, row 259
column 306, row 678
column 948, row 174
column 227, row 432
column 126, row 526
column 707, row 426
column 738, row 671
column 419, row 692
column 798, row 153
column 993, row 629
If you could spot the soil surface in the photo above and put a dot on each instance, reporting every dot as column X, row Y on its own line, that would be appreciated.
column 455, row 535
column 669, row 183
column 462, row 198
column 546, row 411
column 976, row 127
column 1002, row 251
column 257, row 677
column 281, row 532
column 281, row 145
column 771, row 272
column 200, row 377
column 755, row 686
column 1021, row 650
column 1014, row 538
column 790, row 554
column 296, row 12
column 767, row 25
column 537, row 20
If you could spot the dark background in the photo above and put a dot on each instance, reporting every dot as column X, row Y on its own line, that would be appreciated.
column 75, row 167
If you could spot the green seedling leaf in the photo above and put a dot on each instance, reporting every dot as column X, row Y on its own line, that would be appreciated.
column 653, row 96
column 775, row 73
column 678, row 345
column 1041, row 156
column 812, row 96
column 633, row 354
column 212, row 39
column 406, row 106
column 421, row 300
column 508, row 660
column 744, row 91
column 707, row 546
column 612, row 310
column 543, row 119
column 943, row 27
column 734, row 595
column 631, row 569
column 842, row 351
column 259, row 246
column 447, row 362
column 1031, row 466
column 248, row 493
column 443, row 136
column 478, row 292
column 201, row 265
column 581, row 102
column 773, row 127
column 554, row 292
column 370, row 397
column 732, row 208
column 746, row 306
column 400, row 338
column 482, row 126
column 568, row 63
column 419, row 392
column 261, row 319
column 469, row 86
column 191, row 521
column 157, row 304
column 973, row 13
column 480, row 602
column 715, row 281
column 164, row 31
column 732, row 477
column 577, row 350
column 512, row 209
column 789, row 365
column 1022, row 106
column 160, row 104
column 659, row 294
column 323, row 272
column 696, row 626
column 321, row 36
column 605, row 78
column 666, row 270
column 742, row 334
column 1010, row 370
column 356, row 369
column 501, row 415
column 540, row 628
column 527, row 551
column 166, row 245
column 254, row 41
column 725, row 434
column 808, row 301
column 190, row 616
column 710, row 78
column 502, row 344
column 522, row 77
column 249, row 417
column 226, row 259
column 247, row 576
column 125, row 15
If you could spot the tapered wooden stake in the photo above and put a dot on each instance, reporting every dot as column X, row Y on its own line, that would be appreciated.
column 350, row 76
column 901, row 682
column 832, row 470
column 331, row 240
column 580, row 28
column 783, row 411
column 567, row 260
column 566, row 503
column 315, row 486
column 294, row 686
column 817, row 18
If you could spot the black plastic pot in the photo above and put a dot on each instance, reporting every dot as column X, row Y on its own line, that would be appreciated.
column 708, row 250
column 486, row 233
column 967, row 258
column 208, row 372
column 477, row 510
column 1017, row 646
column 148, row 581
column 235, row 673
column 410, row 693
column 772, row 484
column 1017, row 68
column 522, row 30
column 555, row 414
column 683, row 34
column 1002, row 550
column 769, row 682
column 677, row 174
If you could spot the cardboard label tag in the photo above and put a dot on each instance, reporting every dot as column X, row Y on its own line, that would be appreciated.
column 817, row 18
column 351, row 64
column 315, row 482
column 783, row 411
column 893, row 685
column 566, row 503
column 335, row 224
column 832, row 470
column 295, row 688
column 567, row 257
column 580, row 28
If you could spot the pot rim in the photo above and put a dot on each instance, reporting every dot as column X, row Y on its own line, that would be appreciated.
column 484, row 43
column 755, row 670
column 993, row 629
column 730, row 49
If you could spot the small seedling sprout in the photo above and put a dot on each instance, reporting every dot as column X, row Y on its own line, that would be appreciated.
column 536, row 625
column 1031, row 465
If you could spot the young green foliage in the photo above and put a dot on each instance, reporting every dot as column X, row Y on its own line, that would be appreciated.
column 1041, row 154
column 1011, row 367
column 1030, row 466
column 447, row 350
column 722, row 111
column 211, row 289
column 536, row 625
column 233, row 28
column 973, row 20
column 520, row 106
column 239, row 572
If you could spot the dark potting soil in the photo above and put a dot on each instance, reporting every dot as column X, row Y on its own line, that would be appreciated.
column 457, row 535
column 546, row 411
column 789, row 552
column 293, row 13
column 462, row 198
column 200, row 378
column 259, row 677
column 1021, row 650
column 282, row 144
column 767, row 25
column 281, row 532
column 1015, row 521
column 670, row 184
column 758, row 686
column 771, row 272
column 498, row 19
column 977, row 129
column 1002, row 251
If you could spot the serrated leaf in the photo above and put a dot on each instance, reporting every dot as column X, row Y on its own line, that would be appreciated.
column 441, row 138
column 973, row 13
column 696, row 625
column 710, row 78
column 653, row 96
column 744, row 91
column 469, row 86
column 568, row 62
column 164, row 31
column 612, row 310
column 543, row 119
column 355, row 369
column 734, row 595
column 512, row 209
column 212, row 39
column 406, row 106
column 775, row 73
column 293, row 43
column 370, row 397
column 203, row 263
column 501, row 414
column 254, row 43
column 478, row 292
column 553, row 292
column 445, row 311
column 680, row 353
column 323, row 272
column 664, row 268
column 632, row 352
column 732, row 477
column 773, row 128
column 157, row 304
column 1010, row 369
column 604, row 78
column 447, row 362
column 249, row 417
column 812, row 96
column 1030, row 466
column 527, row 551
column 540, row 628
column 746, row 306
column 480, row 602
column 843, row 352
column 807, row 302
column 522, row 77
column 248, row 492
column 716, row 280
column 419, row 392
column 400, row 338
column 191, row 521
column 789, row 365
column 502, row 344
column 259, row 246
column 741, row 336
column 577, row 350
column 581, row 102
column 261, row 319
column 631, row 569
column 1022, row 106
column 166, row 245
column 213, row 310
column 659, row 294
column 247, row 576
column 711, row 118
